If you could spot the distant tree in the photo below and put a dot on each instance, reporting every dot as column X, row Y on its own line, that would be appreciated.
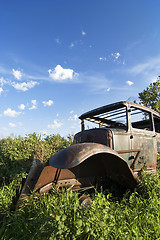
column 150, row 97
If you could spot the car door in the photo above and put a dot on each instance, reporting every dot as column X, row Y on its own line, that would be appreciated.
column 143, row 137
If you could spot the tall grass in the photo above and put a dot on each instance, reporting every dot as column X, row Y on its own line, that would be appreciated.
column 60, row 216
column 129, row 215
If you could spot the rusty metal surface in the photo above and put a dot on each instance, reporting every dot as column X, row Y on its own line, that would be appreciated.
column 31, row 180
column 89, row 161
column 32, row 177
column 95, row 135
column 75, row 154
column 47, row 176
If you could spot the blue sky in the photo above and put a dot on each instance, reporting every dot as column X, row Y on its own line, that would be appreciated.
column 61, row 58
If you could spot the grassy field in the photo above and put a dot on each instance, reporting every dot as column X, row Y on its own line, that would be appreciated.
column 112, row 215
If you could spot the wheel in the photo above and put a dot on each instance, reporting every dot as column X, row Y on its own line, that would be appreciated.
column 85, row 201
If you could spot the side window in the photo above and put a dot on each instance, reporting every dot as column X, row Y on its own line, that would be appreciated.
column 157, row 124
column 141, row 119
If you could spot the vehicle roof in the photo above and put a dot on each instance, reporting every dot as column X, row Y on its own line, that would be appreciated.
column 114, row 106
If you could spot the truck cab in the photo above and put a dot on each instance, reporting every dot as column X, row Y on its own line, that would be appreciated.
column 132, row 130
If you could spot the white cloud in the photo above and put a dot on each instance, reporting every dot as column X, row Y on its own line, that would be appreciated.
column 2, row 81
column 115, row 56
column 24, row 86
column 55, row 124
column 34, row 105
column 11, row 113
column 108, row 89
column 61, row 74
column 129, row 83
column 71, row 111
column 83, row 33
column 17, row 74
column 12, row 124
column 73, row 118
column 1, row 90
column 49, row 103
column 103, row 59
column 21, row 106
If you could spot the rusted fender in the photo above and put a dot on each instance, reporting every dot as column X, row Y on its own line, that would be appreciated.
column 95, row 159
column 77, row 153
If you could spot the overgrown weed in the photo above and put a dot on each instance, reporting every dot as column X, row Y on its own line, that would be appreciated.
column 60, row 216
column 114, row 214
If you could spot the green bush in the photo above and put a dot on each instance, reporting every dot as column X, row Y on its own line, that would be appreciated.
column 16, row 154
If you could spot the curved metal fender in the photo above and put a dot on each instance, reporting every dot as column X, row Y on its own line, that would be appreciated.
column 77, row 153
column 97, row 156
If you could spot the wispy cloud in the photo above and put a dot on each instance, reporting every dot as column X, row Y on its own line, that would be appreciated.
column 73, row 118
column 24, row 86
column 102, row 58
column 2, row 81
column 61, row 74
column 58, row 41
column 17, row 74
column 116, row 55
column 12, row 124
column 1, row 90
column 96, row 82
column 113, row 57
column 151, row 65
column 21, row 106
column 147, row 70
column 47, row 103
column 75, row 43
column 71, row 45
column 11, row 113
column 133, row 45
column 34, row 104
column 56, row 124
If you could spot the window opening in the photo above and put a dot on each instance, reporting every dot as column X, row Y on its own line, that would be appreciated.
column 113, row 118
column 141, row 119
column 156, row 124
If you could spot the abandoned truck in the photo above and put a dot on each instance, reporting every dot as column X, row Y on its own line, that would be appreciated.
column 124, row 138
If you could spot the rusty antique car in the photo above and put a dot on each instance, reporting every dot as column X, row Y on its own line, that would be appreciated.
column 124, row 138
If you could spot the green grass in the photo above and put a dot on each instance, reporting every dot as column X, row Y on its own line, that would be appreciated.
column 59, row 215
column 129, row 215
